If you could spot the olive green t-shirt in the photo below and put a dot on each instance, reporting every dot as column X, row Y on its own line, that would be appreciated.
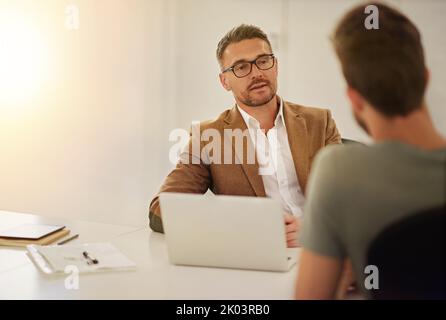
column 354, row 192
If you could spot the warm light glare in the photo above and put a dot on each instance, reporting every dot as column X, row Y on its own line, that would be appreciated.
column 23, row 59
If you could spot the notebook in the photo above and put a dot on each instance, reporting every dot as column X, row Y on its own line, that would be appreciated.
column 39, row 234
column 30, row 231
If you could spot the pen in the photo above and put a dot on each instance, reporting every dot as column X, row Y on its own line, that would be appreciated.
column 68, row 239
column 90, row 260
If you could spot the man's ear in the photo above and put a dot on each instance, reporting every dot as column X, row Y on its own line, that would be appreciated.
column 224, row 82
column 356, row 100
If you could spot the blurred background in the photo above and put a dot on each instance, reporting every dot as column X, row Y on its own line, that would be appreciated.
column 90, row 89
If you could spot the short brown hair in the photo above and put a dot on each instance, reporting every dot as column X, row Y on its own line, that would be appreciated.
column 237, row 34
column 386, row 65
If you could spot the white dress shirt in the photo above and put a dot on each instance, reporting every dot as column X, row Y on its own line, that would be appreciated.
column 276, row 163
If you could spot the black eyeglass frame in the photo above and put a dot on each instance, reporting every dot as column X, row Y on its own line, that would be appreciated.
column 250, row 64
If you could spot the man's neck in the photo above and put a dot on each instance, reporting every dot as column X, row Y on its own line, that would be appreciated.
column 264, row 114
column 415, row 129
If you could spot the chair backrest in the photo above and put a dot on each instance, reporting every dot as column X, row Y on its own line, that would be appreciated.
column 350, row 141
column 410, row 257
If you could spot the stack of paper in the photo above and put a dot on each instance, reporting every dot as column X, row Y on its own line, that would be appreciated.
column 38, row 234
column 54, row 259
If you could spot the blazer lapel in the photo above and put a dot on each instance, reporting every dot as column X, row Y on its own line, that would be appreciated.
column 298, row 140
column 235, row 121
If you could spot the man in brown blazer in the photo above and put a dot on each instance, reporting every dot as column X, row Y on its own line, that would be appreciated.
column 279, row 139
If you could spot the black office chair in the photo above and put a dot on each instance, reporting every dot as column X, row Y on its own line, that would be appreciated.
column 350, row 141
column 410, row 256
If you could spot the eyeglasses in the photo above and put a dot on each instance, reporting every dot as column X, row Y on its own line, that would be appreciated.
column 242, row 69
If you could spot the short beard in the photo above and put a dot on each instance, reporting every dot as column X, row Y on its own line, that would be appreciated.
column 248, row 101
column 361, row 123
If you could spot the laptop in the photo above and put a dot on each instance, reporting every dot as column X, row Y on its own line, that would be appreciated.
column 226, row 232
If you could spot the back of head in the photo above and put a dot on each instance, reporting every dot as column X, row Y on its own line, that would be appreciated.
column 385, row 65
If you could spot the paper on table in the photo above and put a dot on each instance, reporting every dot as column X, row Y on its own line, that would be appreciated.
column 54, row 259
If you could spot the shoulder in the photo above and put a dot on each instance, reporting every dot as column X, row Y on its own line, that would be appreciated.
column 344, row 155
column 343, row 164
column 218, row 122
column 309, row 112
column 336, row 171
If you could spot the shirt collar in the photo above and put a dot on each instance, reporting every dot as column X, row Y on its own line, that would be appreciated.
column 252, row 122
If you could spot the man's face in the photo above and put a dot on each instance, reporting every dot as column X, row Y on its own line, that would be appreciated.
column 358, row 108
column 257, row 88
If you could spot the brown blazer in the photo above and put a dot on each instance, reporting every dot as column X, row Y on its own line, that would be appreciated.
column 308, row 129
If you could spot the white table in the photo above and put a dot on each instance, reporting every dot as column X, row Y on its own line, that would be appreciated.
column 154, row 277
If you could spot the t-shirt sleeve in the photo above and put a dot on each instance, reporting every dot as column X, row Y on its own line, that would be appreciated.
column 321, row 228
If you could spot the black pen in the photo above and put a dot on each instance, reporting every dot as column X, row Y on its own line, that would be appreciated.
column 90, row 260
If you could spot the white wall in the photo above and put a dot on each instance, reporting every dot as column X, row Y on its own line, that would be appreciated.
column 89, row 146
column 93, row 144
column 429, row 16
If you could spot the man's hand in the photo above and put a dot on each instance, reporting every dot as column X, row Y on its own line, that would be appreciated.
column 292, row 225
